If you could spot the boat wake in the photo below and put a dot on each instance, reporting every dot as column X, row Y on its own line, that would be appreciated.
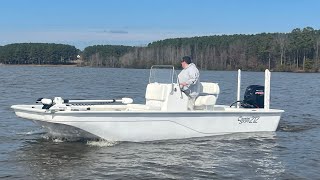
column 295, row 127
column 59, row 138
column 102, row 143
column 33, row 132
column 89, row 142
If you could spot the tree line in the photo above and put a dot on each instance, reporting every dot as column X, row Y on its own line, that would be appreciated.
column 294, row 51
column 38, row 53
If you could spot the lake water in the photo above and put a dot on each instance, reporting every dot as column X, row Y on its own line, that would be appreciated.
column 26, row 152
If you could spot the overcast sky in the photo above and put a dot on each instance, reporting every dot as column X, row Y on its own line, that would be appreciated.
column 139, row 22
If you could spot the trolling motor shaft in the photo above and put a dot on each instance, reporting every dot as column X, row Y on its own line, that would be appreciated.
column 59, row 102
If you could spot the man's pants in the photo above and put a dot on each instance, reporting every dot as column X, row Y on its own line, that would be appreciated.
column 191, row 103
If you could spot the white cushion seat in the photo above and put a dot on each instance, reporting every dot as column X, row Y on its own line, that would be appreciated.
column 156, row 95
column 208, row 96
column 205, row 100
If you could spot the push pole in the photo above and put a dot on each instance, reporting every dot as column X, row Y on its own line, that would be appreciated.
column 267, row 78
column 238, row 90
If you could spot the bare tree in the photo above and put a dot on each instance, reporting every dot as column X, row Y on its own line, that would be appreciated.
column 282, row 41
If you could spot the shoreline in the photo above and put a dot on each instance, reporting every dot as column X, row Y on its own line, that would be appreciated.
column 43, row 65
column 78, row 65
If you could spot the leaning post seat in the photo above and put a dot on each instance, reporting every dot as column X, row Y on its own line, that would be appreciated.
column 208, row 96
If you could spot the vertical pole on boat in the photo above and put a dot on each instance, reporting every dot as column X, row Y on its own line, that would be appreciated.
column 238, row 90
column 267, row 89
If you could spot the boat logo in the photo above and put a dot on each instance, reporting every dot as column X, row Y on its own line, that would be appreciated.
column 248, row 119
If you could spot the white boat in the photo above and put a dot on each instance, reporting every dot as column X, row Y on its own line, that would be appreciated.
column 165, row 115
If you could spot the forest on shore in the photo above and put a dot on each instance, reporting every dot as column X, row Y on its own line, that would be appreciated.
column 296, row 51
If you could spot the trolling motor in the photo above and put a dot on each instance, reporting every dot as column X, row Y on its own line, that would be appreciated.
column 47, row 103
column 253, row 97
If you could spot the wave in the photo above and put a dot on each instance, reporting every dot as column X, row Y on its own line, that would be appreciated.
column 102, row 143
column 296, row 128
column 32, row 132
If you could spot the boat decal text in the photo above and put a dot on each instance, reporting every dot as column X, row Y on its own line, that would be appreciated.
column 248, row 119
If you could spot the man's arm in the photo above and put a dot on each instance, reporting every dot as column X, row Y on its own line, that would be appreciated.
column 193, row 77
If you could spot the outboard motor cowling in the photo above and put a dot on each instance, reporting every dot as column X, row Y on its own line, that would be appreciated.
column 253, row 97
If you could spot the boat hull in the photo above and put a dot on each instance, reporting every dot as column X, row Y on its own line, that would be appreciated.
column 150, row 126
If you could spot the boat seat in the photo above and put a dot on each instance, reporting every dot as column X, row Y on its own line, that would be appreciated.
column 205, row 100
column 156, row 91
column 209, row 88
column 207, row 97
column 156, row 95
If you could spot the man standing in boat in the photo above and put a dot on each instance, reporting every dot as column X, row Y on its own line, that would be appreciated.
column 189, row 80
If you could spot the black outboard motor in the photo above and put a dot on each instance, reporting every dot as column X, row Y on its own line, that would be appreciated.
column 253, row 97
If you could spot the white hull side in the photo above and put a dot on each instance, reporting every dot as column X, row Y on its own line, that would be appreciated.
column 149, row 126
